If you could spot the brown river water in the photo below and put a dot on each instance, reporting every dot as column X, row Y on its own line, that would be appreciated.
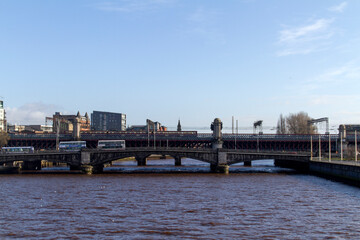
column 166, row 202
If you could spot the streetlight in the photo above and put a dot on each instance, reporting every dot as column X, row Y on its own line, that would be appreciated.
column 236, row 132
column 311, row 149
column 319, row 147
column 341, row 146
column 355, row 146
column 329, row 148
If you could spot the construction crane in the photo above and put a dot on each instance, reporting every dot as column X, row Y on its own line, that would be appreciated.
column 258, row 124
column 319, row 120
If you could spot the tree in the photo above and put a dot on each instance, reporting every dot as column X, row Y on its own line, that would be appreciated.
column 281, row 125
column 4, row 138
column 298, row 124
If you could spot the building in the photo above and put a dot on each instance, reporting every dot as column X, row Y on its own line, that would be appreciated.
column 15, row 128
column 39, row 128
column 150, row 126
column 348, row 129
column 66, row 122
column 2, row 117
column 108, row 121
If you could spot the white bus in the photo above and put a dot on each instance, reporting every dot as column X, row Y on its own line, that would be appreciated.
column 9, row 150
column 71, row 146
column 111, row 144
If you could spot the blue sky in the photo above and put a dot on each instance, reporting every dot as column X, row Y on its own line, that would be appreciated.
column 188, row 59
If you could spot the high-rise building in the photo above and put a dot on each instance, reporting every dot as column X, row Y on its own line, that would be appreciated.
column 108, row 121
column 2, row 117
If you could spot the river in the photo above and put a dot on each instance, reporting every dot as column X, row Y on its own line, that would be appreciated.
column 188, row 202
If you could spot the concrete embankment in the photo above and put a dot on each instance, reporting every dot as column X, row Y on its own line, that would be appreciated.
column 8, row 169
column 348, row 171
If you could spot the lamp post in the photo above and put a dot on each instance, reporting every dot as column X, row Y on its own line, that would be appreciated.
column 154, row 138
column 148, row 131
column 356, row 146
column 341, row 146
column 319, row 147
column 311, row 149
column 236, row 132
column 329, row 148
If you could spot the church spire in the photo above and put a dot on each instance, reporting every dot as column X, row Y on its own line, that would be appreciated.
column 179, row 126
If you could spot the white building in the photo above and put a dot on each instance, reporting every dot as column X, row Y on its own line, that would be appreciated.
column 2, row 117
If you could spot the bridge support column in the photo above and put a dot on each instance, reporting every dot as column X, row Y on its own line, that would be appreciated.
column 89, row 169
column 219, row 168
column 141, row 161
column 297, row 165
column 177, row 161
column 247, row 163
column 9, row 164
column 74, row 167
column 31, row 165
column 222, row 165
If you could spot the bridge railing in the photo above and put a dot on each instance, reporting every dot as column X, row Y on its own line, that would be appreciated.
column 181, row 136
column 281, row 137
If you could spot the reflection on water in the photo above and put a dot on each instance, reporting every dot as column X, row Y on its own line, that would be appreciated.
column 262, row 203
column 189, row 166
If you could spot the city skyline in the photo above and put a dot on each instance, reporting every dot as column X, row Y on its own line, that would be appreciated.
column 168, row 60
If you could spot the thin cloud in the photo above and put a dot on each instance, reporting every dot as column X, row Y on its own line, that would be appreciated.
column 332, row 80
column 305, row 39
column 346, row 74
column 338, row 8
column 305, row 32
column 204, row 23
column 133, row 5
column 31, row 113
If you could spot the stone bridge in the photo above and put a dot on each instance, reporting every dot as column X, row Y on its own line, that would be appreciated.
column 93, row 160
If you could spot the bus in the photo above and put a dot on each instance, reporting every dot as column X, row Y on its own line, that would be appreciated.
column 71, row 146
column 111, row 144
column 10, row 150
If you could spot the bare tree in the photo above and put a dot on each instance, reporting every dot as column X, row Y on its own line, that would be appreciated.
column 4, row 138
column 281, row 125
column 298, row 124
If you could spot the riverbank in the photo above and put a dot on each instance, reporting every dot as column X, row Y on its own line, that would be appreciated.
column 9, row 169
column 346, row 171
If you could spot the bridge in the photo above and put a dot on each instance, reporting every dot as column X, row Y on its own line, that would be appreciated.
column 210, row 149
column 93, row 160
column 190, row 139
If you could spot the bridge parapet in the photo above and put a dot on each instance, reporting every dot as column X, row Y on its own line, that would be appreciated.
column 219, row 159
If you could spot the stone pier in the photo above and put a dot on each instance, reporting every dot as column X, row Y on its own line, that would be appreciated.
column 177, row 161
column 141, row 161
column 31, row 165
column 216, row 168
column 247, row 163
column 217, row 144
column 74, row 167
column 89, row 169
